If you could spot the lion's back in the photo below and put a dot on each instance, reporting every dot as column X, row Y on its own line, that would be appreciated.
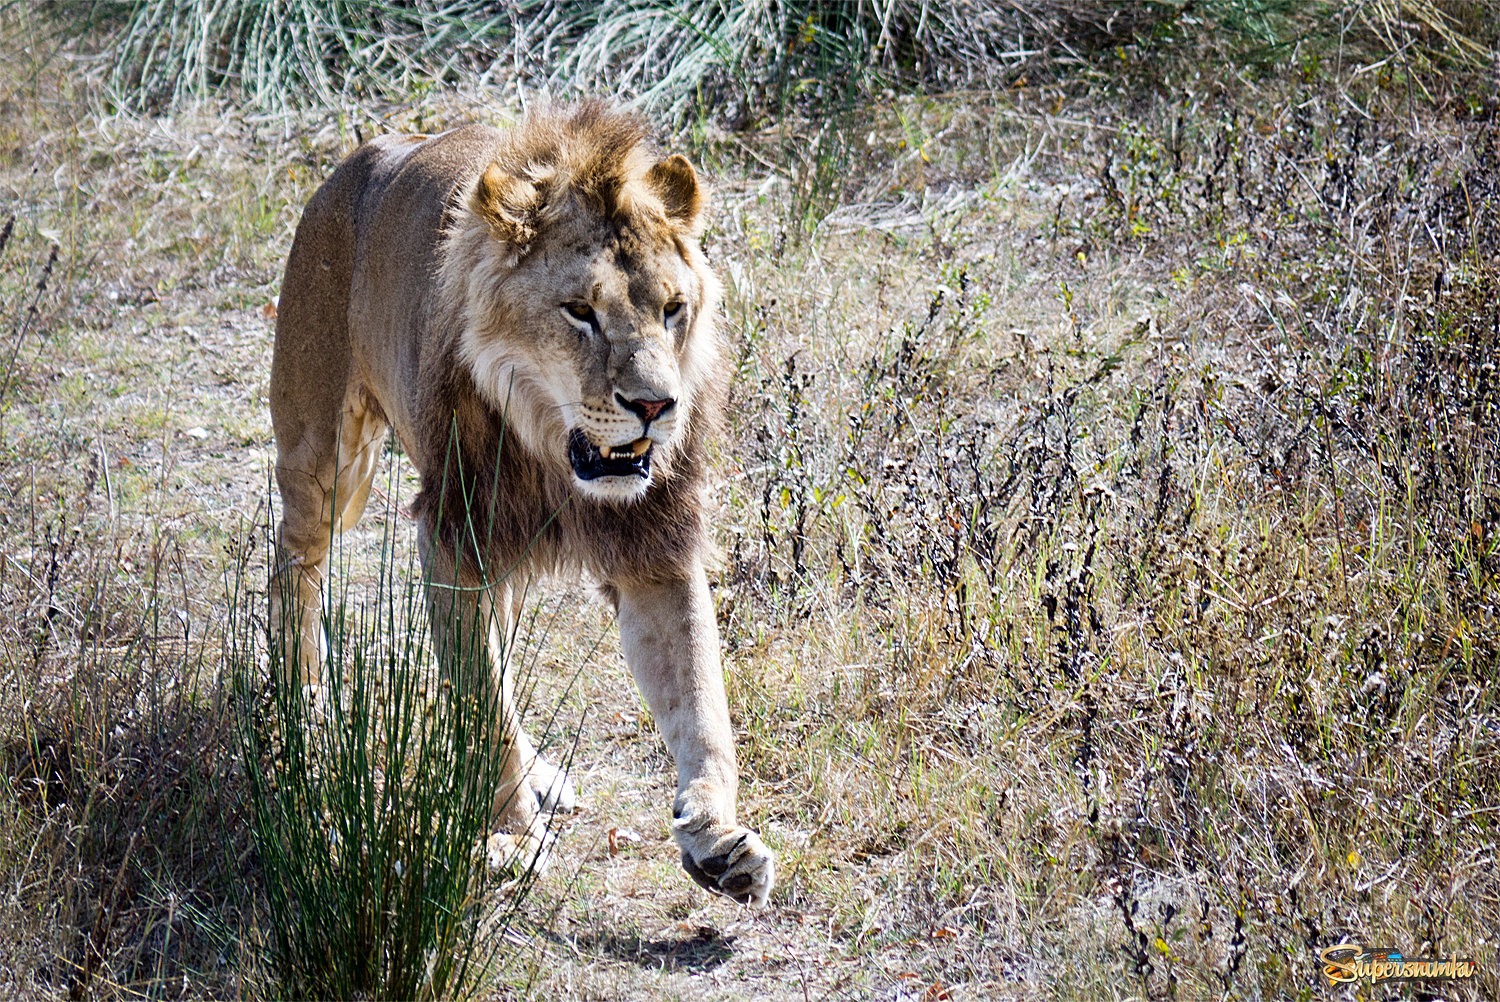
column 360, row 278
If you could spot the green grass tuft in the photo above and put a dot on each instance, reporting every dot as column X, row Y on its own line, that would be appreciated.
column 733, row 61
column 372, row 803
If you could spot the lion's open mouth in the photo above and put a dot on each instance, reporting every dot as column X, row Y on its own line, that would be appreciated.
column 591, row 463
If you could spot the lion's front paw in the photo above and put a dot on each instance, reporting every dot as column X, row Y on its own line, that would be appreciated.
column 513, row 856
column 553, row 787
column 729, row 861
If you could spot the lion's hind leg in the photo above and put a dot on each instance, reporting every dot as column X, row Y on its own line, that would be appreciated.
column 325, row 481
column 361, row 440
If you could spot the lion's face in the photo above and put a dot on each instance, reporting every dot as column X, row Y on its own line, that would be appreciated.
column 595, row 335
column 608, row 319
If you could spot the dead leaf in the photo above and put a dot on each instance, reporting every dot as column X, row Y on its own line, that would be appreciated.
column 622, row 838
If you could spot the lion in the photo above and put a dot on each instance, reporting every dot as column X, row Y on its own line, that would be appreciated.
column 532, row 313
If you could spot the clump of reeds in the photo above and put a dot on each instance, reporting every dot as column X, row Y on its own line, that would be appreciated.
column 371, row 802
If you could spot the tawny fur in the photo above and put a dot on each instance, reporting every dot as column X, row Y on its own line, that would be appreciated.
column 435, row 287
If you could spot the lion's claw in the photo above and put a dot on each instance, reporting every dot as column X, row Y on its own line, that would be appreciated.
column 733, row 862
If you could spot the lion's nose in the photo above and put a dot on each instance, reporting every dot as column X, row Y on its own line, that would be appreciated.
column 646, row 410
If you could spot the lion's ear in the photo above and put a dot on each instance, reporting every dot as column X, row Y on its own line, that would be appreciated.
column 509, row 204
column 676, row 184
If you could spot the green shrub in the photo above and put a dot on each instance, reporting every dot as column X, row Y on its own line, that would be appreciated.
column 735, row 61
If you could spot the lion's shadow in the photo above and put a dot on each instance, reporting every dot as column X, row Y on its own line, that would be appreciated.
column 700, row 948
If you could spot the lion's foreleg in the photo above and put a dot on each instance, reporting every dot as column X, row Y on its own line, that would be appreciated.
column 467, row 625
column 671, row 642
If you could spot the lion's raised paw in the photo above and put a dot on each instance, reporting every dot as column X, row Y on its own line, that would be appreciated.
column 733, row 862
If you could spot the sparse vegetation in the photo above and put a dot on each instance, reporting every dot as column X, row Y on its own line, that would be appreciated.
column 1110, row 519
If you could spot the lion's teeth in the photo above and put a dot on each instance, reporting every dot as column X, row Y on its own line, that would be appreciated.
column 636, row 449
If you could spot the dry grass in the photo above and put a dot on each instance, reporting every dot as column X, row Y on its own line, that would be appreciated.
column 1110, row 533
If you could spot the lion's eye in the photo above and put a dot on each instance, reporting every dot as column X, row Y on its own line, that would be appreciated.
column 580, row 311
column 671, row 309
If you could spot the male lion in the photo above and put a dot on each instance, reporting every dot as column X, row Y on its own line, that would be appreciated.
column 531, row 312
